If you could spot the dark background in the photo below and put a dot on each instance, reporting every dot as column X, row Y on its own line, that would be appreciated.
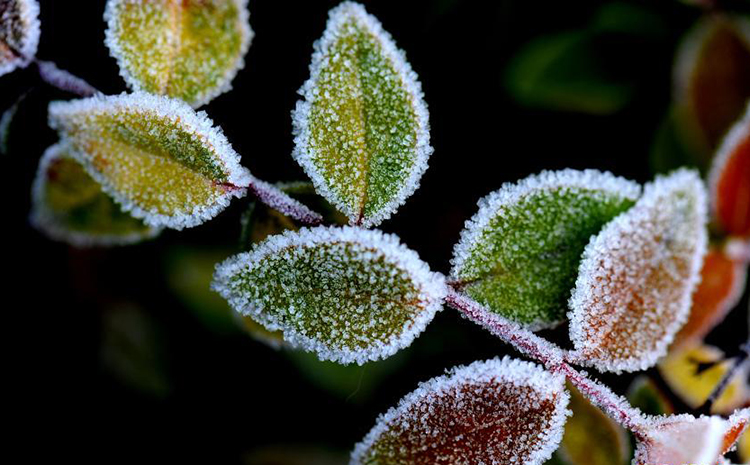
column 213, row 395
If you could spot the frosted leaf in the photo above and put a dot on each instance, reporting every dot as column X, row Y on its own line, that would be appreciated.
column 712, row 80
column 347, row 294
column 692, row 374
column 684, row 439
column 19, row 33
column 720, row 289
column 637, row 277
column 361, row 132
column 189, row 50
column 154, row 155
column 591, row 437
column 68, row 205
column 500, row 411
column 519, row 254
column 729, row 180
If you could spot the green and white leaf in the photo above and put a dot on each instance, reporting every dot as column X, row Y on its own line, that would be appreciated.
column 520, row 252
column 347, row 294
column 155, row 156
column 361, row 132
column 69, row 206
column 188, row 49
column 19, row 33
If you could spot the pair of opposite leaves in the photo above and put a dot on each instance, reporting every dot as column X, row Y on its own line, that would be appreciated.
column 361, row 133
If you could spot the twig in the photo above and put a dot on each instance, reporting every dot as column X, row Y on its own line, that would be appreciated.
column 279, row 200
column 64, row 80
column 552, row 357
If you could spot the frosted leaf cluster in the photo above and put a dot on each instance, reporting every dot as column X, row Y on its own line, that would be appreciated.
column 69, row 206
column 637, row 277
column 346, row 294
column 729, row 180
column 19, row 33
column 189, row 50
column 362, row 131
column 685, row 439
column 157, row 158
column 519, row 254
column 500, row 411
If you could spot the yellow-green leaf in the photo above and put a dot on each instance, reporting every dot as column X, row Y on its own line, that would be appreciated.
column 154, row 155
column 187, row 49
column 19, row 33
column 362, row 129
column 68, row 205
column 591, row 437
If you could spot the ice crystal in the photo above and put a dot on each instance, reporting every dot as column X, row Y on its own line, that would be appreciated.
column 519, row 254
column 692, row 374
column 154, row 155
column 637, row 276
column 190, row 49
column 19, row 33
column 729, row 180
column 361, row 132
column 591, row 437
column 685, row 439
column 491, row 412
column 712, row 80
column 347, row 294
column 68, row 205
column 720, row 289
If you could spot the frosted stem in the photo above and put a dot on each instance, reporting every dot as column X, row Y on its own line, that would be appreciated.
column 64, row 80
column 278, row 200
column 551, row 356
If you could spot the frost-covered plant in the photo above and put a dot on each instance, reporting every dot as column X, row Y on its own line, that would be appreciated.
column 620, row 263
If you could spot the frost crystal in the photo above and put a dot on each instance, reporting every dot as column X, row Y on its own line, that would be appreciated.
column 361, row 132
column 68, row 205
column 154, row 155
column 19, row 33
column 729, row 180
column 684, row 439
column 637, row 277
column 492, row 412
column 711, row 79
column 190, row 49
column 519, row 254
column 347, row 294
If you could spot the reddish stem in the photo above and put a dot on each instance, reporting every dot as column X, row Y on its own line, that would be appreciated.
column 279, row 200
column 64, row 80
column 552, row 357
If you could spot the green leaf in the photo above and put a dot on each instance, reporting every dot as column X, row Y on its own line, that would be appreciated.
column 68, row 205
column 347, row 294
column 591, row 437
column 154, row 155
column 497, row 411
column 519, row 254
column 564, row 72
column 361, row 132
column 19, row 33
column 637, row 276
column 646, row 396
column 189, row 49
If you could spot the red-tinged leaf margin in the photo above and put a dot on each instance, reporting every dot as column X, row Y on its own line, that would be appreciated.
column 729, row 180
column 400, row 433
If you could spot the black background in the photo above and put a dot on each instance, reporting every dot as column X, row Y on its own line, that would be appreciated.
column 230, row 395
